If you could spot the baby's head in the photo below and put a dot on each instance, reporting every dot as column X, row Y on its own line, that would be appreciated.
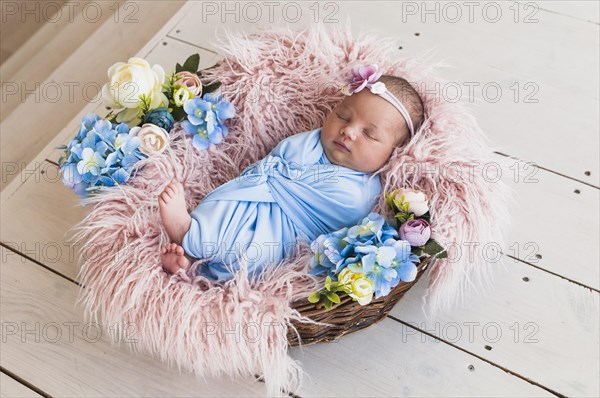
column 370, row 127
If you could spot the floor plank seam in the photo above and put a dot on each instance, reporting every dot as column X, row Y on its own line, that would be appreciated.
column 549, row 170
column 188, row 43
column 555, row 274
column 33, row 260
column 479, row 357
column 24, row 382
column 568, row 16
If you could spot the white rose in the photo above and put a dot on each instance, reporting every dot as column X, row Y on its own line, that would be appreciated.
column 129, row 81
column 417, row 201
column 154, row 139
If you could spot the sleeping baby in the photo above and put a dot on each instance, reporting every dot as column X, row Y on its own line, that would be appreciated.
column 311, row 183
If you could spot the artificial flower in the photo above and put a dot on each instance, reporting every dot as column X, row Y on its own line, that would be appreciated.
column 190, row 81
column 416, row 232
column 135, row 86
column 160, row 117
column 412, row 201
column 154, row 139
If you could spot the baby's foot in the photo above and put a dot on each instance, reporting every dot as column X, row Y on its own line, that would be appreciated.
column 173, row 258
column 173, row 212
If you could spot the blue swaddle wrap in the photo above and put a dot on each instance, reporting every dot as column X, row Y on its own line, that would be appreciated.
column 294, row 192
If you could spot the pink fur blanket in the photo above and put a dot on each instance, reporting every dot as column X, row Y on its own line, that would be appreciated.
column 281, row 84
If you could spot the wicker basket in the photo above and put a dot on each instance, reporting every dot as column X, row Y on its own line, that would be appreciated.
column 346, row 317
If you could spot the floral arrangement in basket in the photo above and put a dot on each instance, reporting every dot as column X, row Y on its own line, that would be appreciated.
column 144, row 105
column 366, row 260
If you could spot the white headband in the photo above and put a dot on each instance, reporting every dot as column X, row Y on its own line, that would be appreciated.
column 366, row 76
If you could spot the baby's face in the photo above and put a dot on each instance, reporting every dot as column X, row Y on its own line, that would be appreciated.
column 368, row 126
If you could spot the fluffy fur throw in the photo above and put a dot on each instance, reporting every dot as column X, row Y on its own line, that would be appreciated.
column 281, row 83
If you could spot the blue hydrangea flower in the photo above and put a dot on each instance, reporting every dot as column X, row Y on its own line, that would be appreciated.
column 404, row 262
column 330, row 251
column 102, row 154
column 205, row 117
column 371, row 229
column 376, row 265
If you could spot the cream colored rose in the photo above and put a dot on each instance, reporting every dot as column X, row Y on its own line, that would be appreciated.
column 189, row 80
column 417, row 201
column 130, row 82
column 154, row 139
column 362, row 291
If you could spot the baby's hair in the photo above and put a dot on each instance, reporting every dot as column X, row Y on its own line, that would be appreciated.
column 411, row 100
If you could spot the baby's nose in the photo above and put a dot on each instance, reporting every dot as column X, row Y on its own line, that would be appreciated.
column 350, row 133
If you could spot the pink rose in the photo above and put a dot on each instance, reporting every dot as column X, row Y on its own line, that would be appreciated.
column 416, row 232
column 189, row 80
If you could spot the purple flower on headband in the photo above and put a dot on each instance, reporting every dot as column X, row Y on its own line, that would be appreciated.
column 362, row 76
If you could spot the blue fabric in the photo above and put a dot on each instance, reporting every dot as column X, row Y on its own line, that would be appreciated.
column 295, row 192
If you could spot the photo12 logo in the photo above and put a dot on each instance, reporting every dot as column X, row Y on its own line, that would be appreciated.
column 468, row 11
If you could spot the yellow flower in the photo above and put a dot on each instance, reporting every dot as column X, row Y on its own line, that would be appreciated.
column 181, row 95
column 362, row 290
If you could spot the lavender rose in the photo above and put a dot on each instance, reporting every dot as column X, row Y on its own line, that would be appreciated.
column 416, row 232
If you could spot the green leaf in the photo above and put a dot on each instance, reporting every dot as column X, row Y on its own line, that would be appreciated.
column 390, row 200
column 328, row 283
column 432, row 248
column 178, row 68
column 191, row 64
column 209, row 88
column 327, row 303
column 333, row 297
column 443, row 254
column 178, row 113
column 314, row 297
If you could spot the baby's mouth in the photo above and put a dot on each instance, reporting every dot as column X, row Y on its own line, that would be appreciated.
column 341, row 146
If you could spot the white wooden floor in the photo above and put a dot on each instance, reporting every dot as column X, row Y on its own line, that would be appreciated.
column 536, row 334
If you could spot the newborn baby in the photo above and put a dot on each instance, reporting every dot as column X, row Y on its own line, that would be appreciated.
column 311, row 183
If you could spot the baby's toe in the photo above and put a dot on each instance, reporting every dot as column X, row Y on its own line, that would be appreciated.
column 183, row 262
column 179, row 250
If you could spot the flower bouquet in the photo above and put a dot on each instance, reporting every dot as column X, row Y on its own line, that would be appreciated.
column 368, row 260
column 144, row 105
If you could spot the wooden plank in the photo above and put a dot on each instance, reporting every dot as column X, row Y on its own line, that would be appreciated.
column 51, row 345
column 10, row 388
column 554, row 221
column 69, row 13
column 22, row 19
column 50, row 46
column 22, row 137
column 43, row 201
column 542, row 327
column 585, row 10
column 526, row 61
column 170, row 51
column 393, row 360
